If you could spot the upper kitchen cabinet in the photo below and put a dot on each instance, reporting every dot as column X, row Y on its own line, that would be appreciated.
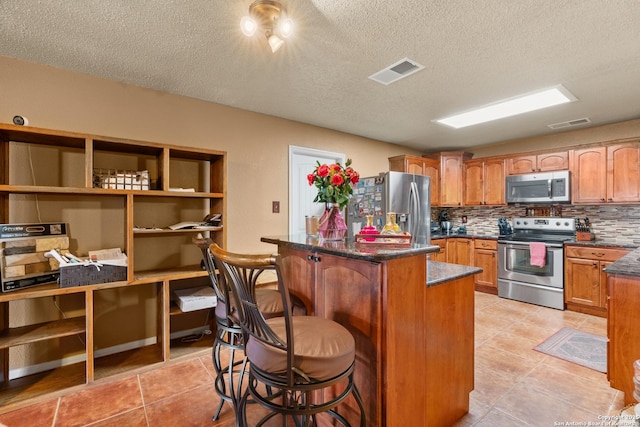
column 451, row 176
column 608, row 174
column 419, row 166
column 484, row 182
column 545, row 162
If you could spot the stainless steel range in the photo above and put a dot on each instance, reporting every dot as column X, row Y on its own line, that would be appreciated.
column 518, row 278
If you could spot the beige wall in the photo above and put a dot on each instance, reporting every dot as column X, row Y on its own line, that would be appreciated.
column 257, row 145
column 596, row 134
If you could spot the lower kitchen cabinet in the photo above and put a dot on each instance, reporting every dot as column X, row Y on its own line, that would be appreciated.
column 442, row 255
column 459, row 250
column 485, row 256
column 623, row 347
column 585, row 281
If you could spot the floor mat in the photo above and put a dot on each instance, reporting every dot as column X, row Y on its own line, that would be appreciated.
column 582, row 348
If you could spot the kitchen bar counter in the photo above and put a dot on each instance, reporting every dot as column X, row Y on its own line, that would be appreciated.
column 628, row 265
column 623, row 349
column 414, row 340
column 442, row 272
column 348, row 248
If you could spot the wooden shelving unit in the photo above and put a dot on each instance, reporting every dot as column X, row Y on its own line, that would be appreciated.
column 48, row 176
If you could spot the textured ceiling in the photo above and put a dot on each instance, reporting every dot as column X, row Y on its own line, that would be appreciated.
column 474, row 53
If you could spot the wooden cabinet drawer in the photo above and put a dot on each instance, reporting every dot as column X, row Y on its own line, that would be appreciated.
column 440, row 242
column 485, row 244
column 595, row 253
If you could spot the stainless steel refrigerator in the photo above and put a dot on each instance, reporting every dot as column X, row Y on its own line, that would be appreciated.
column 403, row 193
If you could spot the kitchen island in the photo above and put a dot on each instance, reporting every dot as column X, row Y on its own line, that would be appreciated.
column 412, row 320
column 622, row 323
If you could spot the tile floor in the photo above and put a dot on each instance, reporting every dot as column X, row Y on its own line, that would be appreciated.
column 514, row 385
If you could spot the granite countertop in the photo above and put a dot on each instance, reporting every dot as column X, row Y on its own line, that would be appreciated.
column 442, row 272
column 616, row 243
column 465, row 236
column 348, row 248
column 628, row 265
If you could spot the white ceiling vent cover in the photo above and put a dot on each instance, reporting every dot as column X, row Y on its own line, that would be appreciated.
column 401, row 69
column 570, row 123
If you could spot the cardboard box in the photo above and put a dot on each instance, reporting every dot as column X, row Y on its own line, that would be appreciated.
column 195, row 298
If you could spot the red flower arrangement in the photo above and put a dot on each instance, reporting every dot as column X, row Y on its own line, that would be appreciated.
column 334, row 182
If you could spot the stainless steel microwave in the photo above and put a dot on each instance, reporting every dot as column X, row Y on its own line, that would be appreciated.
column 546, row 187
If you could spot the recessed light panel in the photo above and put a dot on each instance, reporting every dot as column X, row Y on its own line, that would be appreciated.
column 510, row 107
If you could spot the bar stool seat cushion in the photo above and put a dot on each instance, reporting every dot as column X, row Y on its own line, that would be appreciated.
column 323, row 348
column 269, row 302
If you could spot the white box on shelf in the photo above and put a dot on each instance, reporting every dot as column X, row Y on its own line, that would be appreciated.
column 195, row 298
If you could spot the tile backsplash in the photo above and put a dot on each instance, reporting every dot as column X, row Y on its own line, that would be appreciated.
column 619, row 222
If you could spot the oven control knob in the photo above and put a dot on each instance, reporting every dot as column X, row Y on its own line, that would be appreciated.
column 558, row 223
column 525, row 222
column 566, row 224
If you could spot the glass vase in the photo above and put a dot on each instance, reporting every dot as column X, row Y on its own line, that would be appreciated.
column 391, row 227
column 369, row 229
column 331, row 225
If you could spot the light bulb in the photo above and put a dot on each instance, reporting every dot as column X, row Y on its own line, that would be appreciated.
column 275, row 42
column 248, row 26
column 285, row 27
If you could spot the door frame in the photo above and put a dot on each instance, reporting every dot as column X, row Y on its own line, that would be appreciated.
column 300, row 203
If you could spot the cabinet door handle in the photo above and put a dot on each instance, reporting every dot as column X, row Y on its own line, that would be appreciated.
column 595, row 265
column 313, row 258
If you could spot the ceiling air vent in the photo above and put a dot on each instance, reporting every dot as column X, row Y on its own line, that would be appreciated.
column 401, row 69
column 570, row 123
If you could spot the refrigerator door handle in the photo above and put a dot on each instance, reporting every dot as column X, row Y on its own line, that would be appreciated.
column 414, row 210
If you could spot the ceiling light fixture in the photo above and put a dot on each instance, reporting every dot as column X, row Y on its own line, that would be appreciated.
column 510, row 107
column 270, row 17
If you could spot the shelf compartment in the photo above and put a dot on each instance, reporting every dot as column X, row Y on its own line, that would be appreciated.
column 45, row 165
column 181, row 349
column 161, row 212
column 127, row 361
column 34, row 386
column 110, row 156
column 95, row 222
column 43, row 331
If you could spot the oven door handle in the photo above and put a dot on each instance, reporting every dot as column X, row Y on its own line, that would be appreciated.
column 549, row 189
column 510, row 245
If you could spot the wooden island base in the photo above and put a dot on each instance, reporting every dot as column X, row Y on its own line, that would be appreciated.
column 412, row 322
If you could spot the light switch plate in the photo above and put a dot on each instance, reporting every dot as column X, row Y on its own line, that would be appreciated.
column 275, row 207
